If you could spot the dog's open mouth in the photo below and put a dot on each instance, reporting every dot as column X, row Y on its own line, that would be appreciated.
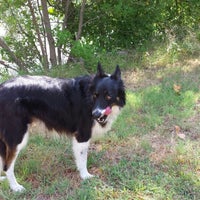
column 102, row 120
column 101, row 117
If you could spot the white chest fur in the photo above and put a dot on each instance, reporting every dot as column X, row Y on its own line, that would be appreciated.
column 98, row 130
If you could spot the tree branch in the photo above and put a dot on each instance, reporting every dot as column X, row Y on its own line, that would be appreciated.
column 18, row 61
column 7, row 66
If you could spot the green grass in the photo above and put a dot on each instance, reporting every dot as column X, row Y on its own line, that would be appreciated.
column 142, row 157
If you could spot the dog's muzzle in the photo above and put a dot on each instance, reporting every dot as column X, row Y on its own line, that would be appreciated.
column 101, row 115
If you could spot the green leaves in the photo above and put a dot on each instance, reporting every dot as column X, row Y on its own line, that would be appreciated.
column 63, row 37
column 107, row 24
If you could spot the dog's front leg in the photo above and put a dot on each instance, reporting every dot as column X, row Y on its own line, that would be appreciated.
column 80, row 150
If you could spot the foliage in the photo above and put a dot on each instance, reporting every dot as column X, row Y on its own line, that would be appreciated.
column 85, row 53
column 107, row 25
column 63, row 37
column 126, row 24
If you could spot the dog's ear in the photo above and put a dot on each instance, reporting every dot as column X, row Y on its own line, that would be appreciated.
column 100, row 72
column 117, row 74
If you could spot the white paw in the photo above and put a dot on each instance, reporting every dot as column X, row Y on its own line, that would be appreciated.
column 87, row 175
column 2, row 178
column 18, row 188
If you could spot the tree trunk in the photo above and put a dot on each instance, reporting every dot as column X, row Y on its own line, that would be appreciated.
column 35, row 24
column 65, row 21
column 80, row 26
column 64, row 26
column 16, row 60
column 50, row 38
column 42, row 27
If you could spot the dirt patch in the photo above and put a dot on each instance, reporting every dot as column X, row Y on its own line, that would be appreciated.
column 140, row 78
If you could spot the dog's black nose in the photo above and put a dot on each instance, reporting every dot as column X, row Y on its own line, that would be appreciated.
column 96, row 114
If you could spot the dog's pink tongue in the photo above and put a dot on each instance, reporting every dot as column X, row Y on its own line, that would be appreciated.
column 108, row 111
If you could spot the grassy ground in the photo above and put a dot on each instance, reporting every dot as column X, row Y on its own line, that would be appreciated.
column 152, row 152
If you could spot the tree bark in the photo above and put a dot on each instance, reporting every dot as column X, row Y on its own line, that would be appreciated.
column 35, row 24
column 16, row 60
column 48, row 30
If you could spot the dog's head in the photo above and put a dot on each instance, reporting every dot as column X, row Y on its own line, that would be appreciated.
column 108, row 94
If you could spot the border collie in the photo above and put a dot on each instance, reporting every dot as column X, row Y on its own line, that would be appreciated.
column 82, row 107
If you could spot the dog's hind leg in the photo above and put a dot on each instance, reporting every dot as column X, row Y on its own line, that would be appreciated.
column 2, row 158
column 80, row 150
column 1, row 169
column 14, row 185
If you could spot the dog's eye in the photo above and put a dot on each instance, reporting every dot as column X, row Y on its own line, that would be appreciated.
column 95, row 95
column 108, row 97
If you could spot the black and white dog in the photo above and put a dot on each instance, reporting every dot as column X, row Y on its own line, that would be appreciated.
column 82, row 107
